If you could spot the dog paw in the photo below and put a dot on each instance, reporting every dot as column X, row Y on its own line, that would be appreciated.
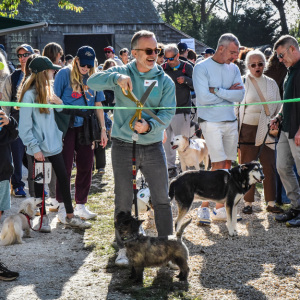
column 233, row 233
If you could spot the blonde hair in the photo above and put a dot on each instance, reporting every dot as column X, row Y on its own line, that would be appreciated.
column 76, row 76
column 41, row 83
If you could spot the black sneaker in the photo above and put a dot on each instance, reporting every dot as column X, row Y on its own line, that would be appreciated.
column 172, row 172
column 287, row 216
column 6, row 274
column 294, row 222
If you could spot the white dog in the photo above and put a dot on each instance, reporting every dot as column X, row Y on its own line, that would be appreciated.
column 13, row 226
column 191, row 152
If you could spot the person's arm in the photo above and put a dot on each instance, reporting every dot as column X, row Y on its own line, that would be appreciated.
column 7, row 94
column 100, row 116
column 9, row 130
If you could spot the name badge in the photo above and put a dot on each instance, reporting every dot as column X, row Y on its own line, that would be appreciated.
column 148, row 82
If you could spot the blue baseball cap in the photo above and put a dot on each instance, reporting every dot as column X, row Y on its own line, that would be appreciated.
column 182, row 47
column 2, row 47
column 109, row 48
column 26, row 47
column 86, row 55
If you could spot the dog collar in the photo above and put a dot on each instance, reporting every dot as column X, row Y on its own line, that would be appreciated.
column 25, row 214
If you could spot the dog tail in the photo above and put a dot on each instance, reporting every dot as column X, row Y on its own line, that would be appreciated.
column 181, row 230
column 8, row 233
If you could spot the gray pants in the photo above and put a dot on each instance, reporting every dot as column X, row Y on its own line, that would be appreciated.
column 151, row 161
column 288, row 154
column 180, row 124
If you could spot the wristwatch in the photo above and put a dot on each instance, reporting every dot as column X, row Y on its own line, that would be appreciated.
column 216, row 90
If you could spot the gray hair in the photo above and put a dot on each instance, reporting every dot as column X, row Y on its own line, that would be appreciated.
column 141, row 34
column 228, row 38
column 286, row 40
column 172, row 48
column 255, row 52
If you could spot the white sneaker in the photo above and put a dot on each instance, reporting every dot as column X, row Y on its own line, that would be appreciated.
column 54, row 204
column 46, row 228
column 122, row 259
column 219, row 214
column 81, row 211
column 77, row 222
column 61, row 215
column 204, row 215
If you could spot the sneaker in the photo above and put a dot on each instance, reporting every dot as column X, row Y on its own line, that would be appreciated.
column 19, row 192
column 77, row 222
column 219, row 214
column 83, row 212
column 172, row 172
column 100, row 171
column 45, row 194
column 46, row 228
column 287, row 216
column 54, row 204
column 294, row 222
column 61, row 215
column 204, row 215
column 6, row 274
column 122, row 259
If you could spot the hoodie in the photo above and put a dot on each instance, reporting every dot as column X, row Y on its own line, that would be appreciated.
column 162, row 95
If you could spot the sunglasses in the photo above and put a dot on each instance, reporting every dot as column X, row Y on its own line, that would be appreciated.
column 23, row 55
column 259, row 65
column 149, row 51
column 170, row 58
column 107, row 51
column 281, row 55
column 88, row 66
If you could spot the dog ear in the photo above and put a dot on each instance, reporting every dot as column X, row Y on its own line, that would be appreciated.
column 244, row 167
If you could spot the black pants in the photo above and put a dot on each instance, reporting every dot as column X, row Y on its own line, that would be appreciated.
column 61, row 174
column 100, row 158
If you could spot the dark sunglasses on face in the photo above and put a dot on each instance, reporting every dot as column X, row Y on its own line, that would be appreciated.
column 259, row 65
column 88, row 66
column 149, row 51
column 170, row 58
column 107, row 52
column 24, row 55
column 281, row 55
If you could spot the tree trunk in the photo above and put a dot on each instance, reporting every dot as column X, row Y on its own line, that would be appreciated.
column 279, row 4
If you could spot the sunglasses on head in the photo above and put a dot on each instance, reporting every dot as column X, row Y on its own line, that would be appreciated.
column 149, row 51
column 24, row 55
column 88, row 66
column 107, row 51
column 170, row 58
column 259, row 65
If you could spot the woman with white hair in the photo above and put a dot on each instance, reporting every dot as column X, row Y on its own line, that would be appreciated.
column 253, row 127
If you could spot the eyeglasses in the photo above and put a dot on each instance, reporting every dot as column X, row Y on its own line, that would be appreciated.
column 88, row 66
column 281, row 55
column 259, row 65
column 23, row 55
column 149, row 51
column 107, row 52
column 170, row 58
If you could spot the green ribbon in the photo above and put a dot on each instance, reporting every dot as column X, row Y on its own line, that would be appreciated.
column 21, row 104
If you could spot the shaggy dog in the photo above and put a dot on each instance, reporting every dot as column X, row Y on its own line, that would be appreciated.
column 223, row 186
column 13, row 226
column 191, row 152
column 144, row 251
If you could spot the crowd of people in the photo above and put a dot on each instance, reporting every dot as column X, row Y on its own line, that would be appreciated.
column 212, row 82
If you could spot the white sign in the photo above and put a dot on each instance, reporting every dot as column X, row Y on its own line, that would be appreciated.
column 190, row 43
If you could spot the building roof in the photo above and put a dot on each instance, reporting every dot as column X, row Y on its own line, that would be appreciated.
column 9, row 23
column 95, row 12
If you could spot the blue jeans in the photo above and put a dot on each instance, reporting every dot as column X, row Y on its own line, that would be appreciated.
column 151, row 161
column 18, row 151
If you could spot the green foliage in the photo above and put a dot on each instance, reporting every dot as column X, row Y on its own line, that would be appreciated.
column 9, row 8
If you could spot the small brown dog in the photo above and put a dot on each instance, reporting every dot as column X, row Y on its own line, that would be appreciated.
column 191, row 152
column 144, row 251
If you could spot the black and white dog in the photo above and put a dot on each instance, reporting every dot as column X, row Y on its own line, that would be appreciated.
column 223, row 186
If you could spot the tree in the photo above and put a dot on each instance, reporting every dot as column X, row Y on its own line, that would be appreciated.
column 10, row 7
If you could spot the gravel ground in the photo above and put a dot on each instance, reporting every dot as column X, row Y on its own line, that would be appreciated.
column 263, row 262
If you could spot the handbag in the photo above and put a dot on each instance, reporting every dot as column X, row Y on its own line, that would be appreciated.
column 91, row 130
column 272, row 132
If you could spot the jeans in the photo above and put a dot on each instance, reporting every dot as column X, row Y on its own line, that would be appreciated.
column 18, row 151
column 151, row 161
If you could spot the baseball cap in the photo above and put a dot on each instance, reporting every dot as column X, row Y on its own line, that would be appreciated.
column 2, row 47
column 42, row 63
column 182, row 47
column 109, row 48
column 86, row 55
column 26, row 47
column 209, row 51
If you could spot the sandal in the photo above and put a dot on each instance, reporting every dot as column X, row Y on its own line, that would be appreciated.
column 274, row 209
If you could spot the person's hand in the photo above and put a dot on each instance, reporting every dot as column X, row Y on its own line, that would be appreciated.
column 141, row 126
column 39, row 156
column 125, row 82
column 274, row 124
column 165, row 136
column 4, row 120
column 297, row 138
column 180, row 79
column 55, row 100
column 236, row 86
column 104, row 138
